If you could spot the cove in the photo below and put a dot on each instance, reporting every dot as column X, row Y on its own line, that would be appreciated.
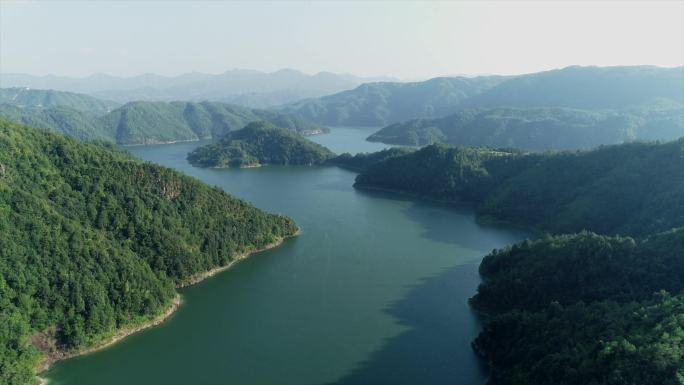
column 373, row 291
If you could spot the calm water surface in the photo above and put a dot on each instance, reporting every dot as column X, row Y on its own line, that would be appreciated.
column 373, row 291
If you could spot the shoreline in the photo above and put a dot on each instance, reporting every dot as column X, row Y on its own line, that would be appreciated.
column 408, row 194
column 155, row 143
column 119, row 335
column 318, row 131
column 197, row 278
column 486, row 220
column 52, row 358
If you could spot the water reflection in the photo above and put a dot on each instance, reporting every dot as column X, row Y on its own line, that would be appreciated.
column 437, row 341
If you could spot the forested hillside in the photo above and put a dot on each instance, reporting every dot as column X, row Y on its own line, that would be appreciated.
column 379, row 104
column 94, row 241
column 260, row 143
column 145, row 122
column 153, row 122
column 30, row 98
column 77, row 124
column 584, row 309
column 632, row 189
column 539, row 129
column 587, row 88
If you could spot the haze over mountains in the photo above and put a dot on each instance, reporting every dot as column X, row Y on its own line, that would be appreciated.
column 377, row 104
column 630, row 188
column 570, row 108
column 142, row 122
column 245, row 87
column 373, row 154
column 538, row 129
column 586, row 87
column 381, row 104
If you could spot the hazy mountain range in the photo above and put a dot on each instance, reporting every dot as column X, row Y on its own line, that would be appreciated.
column 381, row 103
column 569, row 108
column 539, row 129
column 384, row 103
column 30, row 98
column 245, row 87
column 141, row 122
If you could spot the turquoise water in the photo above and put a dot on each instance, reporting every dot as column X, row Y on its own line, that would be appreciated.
column 373, row 291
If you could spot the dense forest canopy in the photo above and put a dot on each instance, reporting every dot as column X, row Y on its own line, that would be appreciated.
column 146, row 122
column 260, row 143
column 94, row 241
column 631, row 189
column 584, row 309
column 540, row 129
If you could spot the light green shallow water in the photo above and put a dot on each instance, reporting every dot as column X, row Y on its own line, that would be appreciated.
column 373, row 291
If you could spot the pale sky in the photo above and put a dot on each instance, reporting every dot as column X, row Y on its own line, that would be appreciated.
column 409, row 40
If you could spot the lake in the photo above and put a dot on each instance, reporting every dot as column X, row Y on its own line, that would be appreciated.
column 373, row 291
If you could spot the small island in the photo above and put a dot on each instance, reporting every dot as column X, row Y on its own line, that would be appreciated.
column 257, row 144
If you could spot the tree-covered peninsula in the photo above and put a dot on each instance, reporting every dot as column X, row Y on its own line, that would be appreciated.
column 93, row 242
column 257, row 144
column 631, row 189
column 360, row 162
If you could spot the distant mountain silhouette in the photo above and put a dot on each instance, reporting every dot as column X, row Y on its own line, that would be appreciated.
column 246, row 87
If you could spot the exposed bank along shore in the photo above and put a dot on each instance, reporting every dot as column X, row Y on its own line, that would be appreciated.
column 52, row 354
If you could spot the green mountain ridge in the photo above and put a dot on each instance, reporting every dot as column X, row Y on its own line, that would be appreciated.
column 32, row 98
column 378, row 104
column 244, row 87
column 63, row 119
column 629, row 189
column 538, row 129
column 154, row 122
column 590, row 88
column 95, row 241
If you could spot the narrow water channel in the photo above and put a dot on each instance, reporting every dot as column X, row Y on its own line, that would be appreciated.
column 373, row 291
